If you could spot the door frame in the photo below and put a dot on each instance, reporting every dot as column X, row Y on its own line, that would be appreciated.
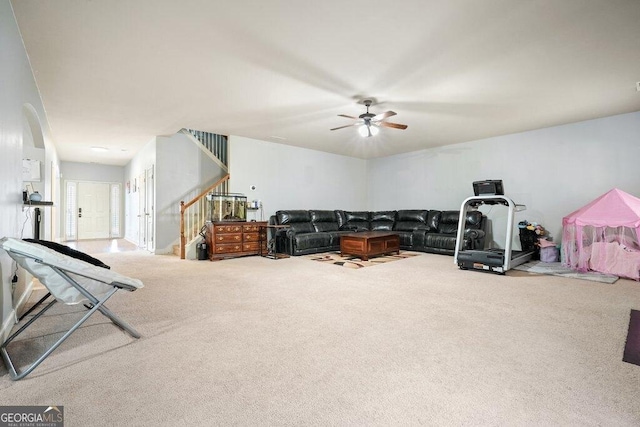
column 150, row 208
column 112, row 209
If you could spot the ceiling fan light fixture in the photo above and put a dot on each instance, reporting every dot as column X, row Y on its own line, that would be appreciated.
column 368, row 130
column 368, row 124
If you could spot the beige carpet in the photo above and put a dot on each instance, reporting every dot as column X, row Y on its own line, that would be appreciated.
column 557, row 269
column 255, row 341
column 348, row 261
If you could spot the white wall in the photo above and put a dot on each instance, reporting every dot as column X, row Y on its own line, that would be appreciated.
column 181, row 171
column 553, row 171
column 288, row 177
column 18, row 90
column 74, row 171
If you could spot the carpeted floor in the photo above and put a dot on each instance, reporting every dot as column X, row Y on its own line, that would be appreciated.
column 254, row 341
column 349, row 261
column 557, row 269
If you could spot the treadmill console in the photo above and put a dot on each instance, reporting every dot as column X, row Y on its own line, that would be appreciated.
column 489, row 187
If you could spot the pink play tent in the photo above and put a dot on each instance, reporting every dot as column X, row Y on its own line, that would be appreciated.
column 604, row 236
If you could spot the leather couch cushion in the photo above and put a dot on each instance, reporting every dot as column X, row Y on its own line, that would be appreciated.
column 381, row 225
column 355, row 221
column 435, row 240
column 406, row 238
column 355, row 226
column 409, row 220
column 289, row 217
column 324, row 220
column 322, row 216
column 383, row 216
column 449, row 222
column 340, row 217
column 312, row 241
column 325, row 226
column 473, row 219
column 410, row 226
column 301, row 227
column 356, row 216
column 433, row 219
column 299, row 220
column 413, row 215
column 382, row 220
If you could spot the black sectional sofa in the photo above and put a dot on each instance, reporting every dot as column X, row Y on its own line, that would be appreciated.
column 314, row 231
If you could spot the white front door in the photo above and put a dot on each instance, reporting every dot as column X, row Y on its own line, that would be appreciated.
column 93, row 210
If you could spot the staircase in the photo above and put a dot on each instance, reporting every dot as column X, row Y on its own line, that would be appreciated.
column 214, row 143
column 194, row 213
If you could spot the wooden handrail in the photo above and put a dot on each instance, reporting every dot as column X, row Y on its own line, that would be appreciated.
column 184, row 206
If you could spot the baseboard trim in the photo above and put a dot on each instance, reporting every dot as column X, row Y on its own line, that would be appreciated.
column 8, row 325
column 24, row 297
column 12, row 319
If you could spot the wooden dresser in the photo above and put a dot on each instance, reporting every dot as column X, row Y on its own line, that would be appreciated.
column 234, row 239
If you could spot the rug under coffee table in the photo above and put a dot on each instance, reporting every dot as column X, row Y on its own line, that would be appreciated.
column 369, row 243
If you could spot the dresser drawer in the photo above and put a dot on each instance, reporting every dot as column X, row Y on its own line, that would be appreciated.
column 252, row 237
column 234, row 239
column 228, row 229
column 252, row 246
column 226, row 249
column 227, row 238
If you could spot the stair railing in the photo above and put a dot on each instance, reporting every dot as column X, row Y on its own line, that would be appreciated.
column 192, row 221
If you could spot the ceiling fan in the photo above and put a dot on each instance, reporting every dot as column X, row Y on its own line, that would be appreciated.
column 369, row 123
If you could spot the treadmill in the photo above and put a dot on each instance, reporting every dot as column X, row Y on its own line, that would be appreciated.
column 490, row 260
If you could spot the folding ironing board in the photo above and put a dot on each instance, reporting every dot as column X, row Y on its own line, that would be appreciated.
column 70, row 281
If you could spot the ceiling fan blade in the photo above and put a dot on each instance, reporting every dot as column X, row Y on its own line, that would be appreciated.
column 384, row 115
column 346, row 126
column 392, row 125
column 348, row 117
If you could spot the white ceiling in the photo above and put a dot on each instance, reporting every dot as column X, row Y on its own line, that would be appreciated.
column 117, row 73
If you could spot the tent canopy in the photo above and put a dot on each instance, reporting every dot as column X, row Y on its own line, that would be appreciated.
column 613, row 209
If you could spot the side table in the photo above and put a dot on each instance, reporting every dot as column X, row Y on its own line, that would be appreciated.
column 271, row 248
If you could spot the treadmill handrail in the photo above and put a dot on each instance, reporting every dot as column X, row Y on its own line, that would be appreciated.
column 503, row 200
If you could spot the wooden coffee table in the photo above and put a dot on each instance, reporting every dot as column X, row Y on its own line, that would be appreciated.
column 369, row 243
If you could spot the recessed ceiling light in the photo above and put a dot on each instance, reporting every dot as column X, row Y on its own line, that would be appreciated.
column 102, row 149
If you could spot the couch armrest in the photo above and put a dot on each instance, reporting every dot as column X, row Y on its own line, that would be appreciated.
column 473, row 233
column 290, row 233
